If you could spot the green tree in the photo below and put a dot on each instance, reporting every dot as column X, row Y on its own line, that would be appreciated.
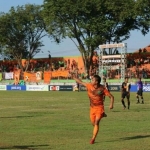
column 90, row 23
column 142, row 11
column 21, row 31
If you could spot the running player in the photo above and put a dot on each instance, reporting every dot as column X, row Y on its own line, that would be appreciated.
column 96, row 91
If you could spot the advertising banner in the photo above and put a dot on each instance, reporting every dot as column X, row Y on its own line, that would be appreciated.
column 37, row 87
column 2, row 87
column 133, row 88
column 115, row 88
column 146, row 88
column 16, row 87
column 61, row 88
column 65, row 88
column 54, row 87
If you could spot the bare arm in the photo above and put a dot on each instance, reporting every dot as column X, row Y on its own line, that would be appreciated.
column 111, row 101
column 79, row 81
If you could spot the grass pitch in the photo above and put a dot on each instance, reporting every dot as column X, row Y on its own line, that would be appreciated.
column 60, row 121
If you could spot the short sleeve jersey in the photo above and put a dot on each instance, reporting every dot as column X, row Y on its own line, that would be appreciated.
column 140, row 85
column 123, row 87
column 96, row 94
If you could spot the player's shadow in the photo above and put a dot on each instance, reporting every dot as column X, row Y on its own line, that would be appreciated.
column 135, row 137
column 29, row 147
column 130, row 138
column 17, row 117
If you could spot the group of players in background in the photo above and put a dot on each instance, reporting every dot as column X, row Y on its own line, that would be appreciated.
column 126, row 92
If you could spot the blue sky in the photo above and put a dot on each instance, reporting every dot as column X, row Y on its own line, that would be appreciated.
column 67, row 47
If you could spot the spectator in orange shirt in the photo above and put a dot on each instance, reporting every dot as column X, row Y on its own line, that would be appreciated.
column 96, row 92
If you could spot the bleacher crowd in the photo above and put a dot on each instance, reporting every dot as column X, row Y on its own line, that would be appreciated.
column 137, row 66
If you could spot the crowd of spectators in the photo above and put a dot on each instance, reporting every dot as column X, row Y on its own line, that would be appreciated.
column 136, row 66
column 49, row 65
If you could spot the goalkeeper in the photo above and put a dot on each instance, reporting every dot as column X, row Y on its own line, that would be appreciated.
column 96, row 92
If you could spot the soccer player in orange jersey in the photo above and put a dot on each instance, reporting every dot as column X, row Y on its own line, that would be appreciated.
column 96, row 92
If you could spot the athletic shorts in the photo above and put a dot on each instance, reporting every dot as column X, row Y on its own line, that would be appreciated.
column 96, row 113
column 140, row 92
column 125, row 94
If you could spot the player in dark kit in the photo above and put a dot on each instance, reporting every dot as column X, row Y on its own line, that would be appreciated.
column 140, row 91
column 125, row 92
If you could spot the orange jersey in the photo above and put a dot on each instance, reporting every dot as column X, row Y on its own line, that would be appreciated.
column 96, row 94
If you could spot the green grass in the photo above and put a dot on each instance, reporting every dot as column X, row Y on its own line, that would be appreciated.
column 60, row 121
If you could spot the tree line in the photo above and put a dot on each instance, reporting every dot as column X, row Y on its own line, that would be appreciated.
column 87, row 23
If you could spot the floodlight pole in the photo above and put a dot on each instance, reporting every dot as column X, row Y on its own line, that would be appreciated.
column 101, row 67
column 123, row 61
